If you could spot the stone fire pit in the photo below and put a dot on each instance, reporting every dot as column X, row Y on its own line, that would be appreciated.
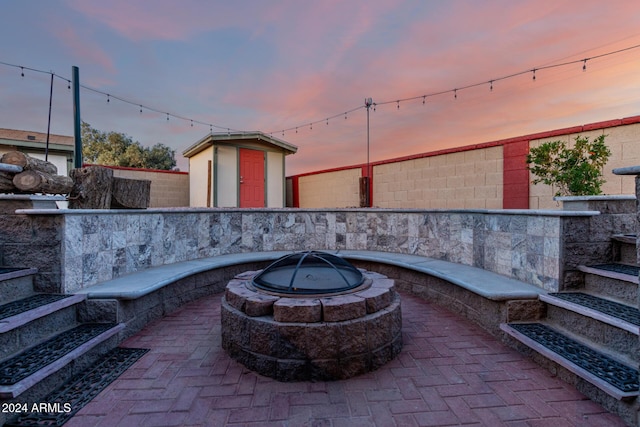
column 312, row 337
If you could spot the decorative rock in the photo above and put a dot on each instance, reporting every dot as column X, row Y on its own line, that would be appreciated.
column 297, row 310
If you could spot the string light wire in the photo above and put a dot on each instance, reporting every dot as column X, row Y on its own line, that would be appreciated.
column 397, row 101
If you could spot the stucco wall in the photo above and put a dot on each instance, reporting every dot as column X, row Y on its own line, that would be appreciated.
column 466, row 179
column 275, row 174
column 198, row 166
column 226, row 175
column 330, row 189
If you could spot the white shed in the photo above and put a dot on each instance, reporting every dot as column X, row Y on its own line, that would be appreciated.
column 243, row 170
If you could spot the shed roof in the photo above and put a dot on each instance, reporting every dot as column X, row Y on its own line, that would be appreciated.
column 237, row 138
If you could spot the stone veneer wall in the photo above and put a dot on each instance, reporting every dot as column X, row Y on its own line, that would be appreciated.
column 101, row 245
column 73, row 249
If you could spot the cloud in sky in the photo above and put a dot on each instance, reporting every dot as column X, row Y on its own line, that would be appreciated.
column 281, row 65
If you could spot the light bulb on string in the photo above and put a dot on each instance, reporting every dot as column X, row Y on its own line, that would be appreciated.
column 310, row 126
column 327, row 122
column 534, row 74
column 491, row 86
column 141, row 109
column 398, row 105
column 107, row 98
column 584, row 65
column 296, row 129
column 22, row 71
column 167, row 116
column 69, row 84
column 191, row 123
column 455, row 93
column 424, row 100
column 345, row 116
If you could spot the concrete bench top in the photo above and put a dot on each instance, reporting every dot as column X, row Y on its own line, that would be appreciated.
column 489, row 285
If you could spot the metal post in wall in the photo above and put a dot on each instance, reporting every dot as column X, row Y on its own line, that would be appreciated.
column 77, row 155
column 365, row 181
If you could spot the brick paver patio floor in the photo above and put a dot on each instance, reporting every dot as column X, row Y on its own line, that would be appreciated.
column 450, row 372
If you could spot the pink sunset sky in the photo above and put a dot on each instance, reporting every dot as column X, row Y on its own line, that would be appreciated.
column 275, row 66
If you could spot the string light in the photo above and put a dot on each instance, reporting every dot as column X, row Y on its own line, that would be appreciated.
column 397, row 101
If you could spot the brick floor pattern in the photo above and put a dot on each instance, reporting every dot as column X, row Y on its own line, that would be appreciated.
column 450, row 372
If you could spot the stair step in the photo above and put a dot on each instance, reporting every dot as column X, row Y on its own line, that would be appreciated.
column 20, row 312
column 11, row 272
column 624, row 272
column 22, row 371
column 16, row 283
column 600, row 308
column 76, row 393
column 611, row 376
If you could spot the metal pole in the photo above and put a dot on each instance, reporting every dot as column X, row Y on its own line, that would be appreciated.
column 46, row 147
column 368, row 103
column 77, row 126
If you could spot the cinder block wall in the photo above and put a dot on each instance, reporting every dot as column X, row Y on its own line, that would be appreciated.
column 491, row 175
column 464, row 180
column 339, row 189
column 168, row 188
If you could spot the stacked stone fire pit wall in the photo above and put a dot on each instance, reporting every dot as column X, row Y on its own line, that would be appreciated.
column 80, row 248
column 320, row 338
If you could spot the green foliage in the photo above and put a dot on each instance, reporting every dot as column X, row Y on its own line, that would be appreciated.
column 117, row 149
column 573, row 171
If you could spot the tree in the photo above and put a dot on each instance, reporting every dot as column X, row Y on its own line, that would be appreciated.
column 118, row 149
column 573, row 171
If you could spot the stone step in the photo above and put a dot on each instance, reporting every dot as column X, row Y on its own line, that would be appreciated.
column 624, row 248
column 72, row 396
column 613, row 281
column 602, row 370
column 24, row 330
column 25, row 310
column 15, row 283
column 604, row 323
column 33, row 365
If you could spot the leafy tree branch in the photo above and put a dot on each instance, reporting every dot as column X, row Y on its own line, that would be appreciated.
column 572, row 171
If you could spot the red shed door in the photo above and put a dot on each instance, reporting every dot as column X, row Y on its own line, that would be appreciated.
column 251, row 178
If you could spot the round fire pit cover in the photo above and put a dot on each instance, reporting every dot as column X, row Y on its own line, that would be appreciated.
column 308, row 273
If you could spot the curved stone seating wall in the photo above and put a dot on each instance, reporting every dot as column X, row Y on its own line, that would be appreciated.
column 319, row 338
column 73, row 249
